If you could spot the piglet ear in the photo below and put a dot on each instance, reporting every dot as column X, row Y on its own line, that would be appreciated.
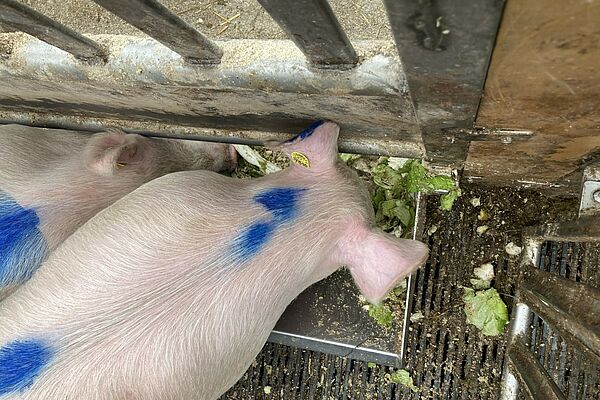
column 315, row 148
column 108, row 152
column 379, row 261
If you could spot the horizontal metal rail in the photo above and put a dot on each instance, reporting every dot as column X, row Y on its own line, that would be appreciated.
column 584, row 229
column 17, row 16
column 572, row 308
column 313, row 27
column 157, row 21
column 536, row 379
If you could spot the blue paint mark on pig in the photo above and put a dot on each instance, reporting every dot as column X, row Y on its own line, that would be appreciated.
column 22, row 245
column 308, row 131
column 21, row 362
column 282, row 203
column 252, row 240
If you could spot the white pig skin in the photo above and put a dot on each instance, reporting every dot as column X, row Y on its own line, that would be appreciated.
column 53, row 181
column 172, row 291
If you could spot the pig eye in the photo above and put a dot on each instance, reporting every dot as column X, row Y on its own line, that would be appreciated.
column 121, row 164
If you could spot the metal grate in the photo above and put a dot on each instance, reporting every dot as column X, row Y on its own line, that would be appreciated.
column 447, row 358
column 282, row 372
column 576, row 376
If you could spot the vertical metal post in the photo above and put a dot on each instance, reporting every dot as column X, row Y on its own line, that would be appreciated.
column 313, row 27
column 157, row 21
column 19, row 17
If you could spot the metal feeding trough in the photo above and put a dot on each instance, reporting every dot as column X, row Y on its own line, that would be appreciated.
column 330, row 318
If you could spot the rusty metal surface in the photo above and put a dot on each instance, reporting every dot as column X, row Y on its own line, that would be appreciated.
column 445, row 47
column 544, row 77
column 320, row 36
column 157, row 21
column 14, row 15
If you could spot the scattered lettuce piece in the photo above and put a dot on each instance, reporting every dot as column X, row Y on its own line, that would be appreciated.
column 402, row 377
column 348, row 158
column 486, row 310
column 382, row 314
column 479, row 284
column 447, row 200
column 394, row 199
column 485, row 275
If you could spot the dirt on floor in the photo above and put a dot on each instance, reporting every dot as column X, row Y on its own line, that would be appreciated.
column 448, row 357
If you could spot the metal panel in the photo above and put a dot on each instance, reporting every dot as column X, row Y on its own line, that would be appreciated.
column 544, row 78
column 157, row 21
column 17, row 16
column 313, row 27
column 537, row 381
column 445, row 47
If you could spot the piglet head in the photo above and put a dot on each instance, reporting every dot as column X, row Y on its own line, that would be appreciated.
column 378, row 261
column 314, row 150
column 115, row 152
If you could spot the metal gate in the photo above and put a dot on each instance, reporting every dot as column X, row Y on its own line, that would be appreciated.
column 193, row 84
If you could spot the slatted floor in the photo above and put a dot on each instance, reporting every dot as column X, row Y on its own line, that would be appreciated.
column 447, row 358
column 574, row 374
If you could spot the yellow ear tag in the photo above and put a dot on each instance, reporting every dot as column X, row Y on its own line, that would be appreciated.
column 301, row 159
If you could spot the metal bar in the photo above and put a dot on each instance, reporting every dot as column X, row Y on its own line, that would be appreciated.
column 17, row 16
column 520, row 321
column 445, row 47
column 347, row 144
column 590, row 192
column 572, row 308
column 335, row 348
column 537, row 381
column 584, row 229
column 157, row 21
column 313, row 27
column 417, row 234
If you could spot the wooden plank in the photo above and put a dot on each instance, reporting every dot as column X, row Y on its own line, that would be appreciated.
column 544, row 77
column 445, row 47
column 157, row 21
column 313, row 27
column 17, row 16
